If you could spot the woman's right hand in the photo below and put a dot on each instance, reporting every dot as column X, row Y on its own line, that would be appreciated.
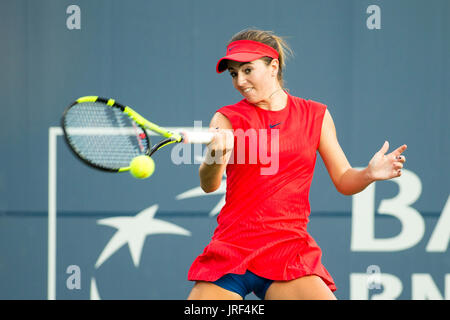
column 218, row 153
column 220, row 147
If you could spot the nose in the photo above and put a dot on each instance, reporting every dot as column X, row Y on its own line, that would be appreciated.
column 240, row 79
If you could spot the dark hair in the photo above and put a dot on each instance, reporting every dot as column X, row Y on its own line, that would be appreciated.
column 270, row 39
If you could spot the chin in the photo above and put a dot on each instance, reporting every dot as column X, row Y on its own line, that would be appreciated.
column 251, row 99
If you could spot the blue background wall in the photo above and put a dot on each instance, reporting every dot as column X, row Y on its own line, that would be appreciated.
column 159, row 57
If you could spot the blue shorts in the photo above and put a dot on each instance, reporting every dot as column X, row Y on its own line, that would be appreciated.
column 243, row 284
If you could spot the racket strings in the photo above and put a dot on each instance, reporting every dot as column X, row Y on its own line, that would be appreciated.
column 103, row 135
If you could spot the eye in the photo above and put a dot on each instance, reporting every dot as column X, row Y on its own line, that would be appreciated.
column 233, row 74
column 247, row 70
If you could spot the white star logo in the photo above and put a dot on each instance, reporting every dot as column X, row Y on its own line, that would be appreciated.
column 198, row 192
column 134, row 230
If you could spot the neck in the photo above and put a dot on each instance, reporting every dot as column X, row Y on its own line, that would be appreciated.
column 276, row 101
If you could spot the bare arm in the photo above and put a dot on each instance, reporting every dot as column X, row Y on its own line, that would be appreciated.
column 219, row 151
column 346, row 179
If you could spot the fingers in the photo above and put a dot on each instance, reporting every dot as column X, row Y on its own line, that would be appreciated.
column 397, row 152
column 398, row 165
column 223, row 140
column 399, row 160
column 384, row 148
column 387, row 166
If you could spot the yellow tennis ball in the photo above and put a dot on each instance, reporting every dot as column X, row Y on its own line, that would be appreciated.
column 142, row 167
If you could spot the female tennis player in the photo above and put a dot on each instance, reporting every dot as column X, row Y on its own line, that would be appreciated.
column 261, row 244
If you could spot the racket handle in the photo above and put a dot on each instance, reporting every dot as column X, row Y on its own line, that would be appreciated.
column 197, row 137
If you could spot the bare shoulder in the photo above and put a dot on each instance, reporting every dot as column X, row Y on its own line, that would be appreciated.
column 328, row 128
column 327, row 119
column 220, row 121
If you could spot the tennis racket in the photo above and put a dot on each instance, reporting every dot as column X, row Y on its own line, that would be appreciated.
column 107, row 135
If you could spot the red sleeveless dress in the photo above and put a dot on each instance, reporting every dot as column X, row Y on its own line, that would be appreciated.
column 262, row 226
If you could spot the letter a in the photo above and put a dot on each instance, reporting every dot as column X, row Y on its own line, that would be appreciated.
column 373, row 21
column 74, row 280
column 74, row 20
column 441, row 235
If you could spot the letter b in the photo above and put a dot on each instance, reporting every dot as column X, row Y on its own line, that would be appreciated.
column 363, row 216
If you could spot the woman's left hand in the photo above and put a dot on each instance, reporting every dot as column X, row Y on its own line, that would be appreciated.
column 387, row 166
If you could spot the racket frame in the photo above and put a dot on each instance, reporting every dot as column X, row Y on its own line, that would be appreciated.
column 170, row 137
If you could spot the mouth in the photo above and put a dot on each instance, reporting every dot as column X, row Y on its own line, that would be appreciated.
column 246, row 90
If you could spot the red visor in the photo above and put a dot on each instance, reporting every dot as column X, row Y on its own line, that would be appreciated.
column 245, row 51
